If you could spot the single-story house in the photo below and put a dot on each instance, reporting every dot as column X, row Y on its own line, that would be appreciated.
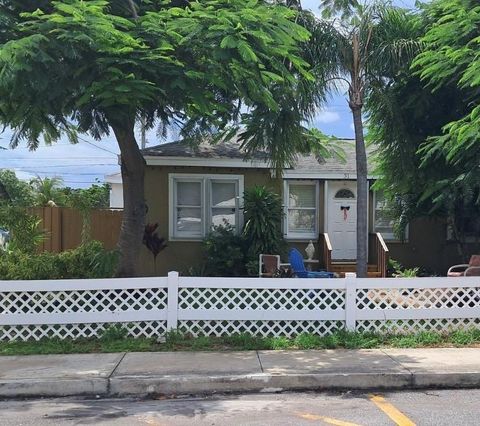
column 190, row 189
column 116, row 190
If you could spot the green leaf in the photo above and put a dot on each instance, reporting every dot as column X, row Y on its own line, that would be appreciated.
column 229, row 42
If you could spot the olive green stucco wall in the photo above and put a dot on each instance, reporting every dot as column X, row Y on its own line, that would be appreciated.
column 181, row 255
column 426, row 245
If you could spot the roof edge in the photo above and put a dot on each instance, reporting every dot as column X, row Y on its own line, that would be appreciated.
column 153, row 160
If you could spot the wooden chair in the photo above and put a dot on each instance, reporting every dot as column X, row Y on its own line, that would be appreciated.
column 466, row 270
column 269, row 265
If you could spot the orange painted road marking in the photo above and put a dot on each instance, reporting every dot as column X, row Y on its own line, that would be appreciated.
column 328, row 420
column 395, row 414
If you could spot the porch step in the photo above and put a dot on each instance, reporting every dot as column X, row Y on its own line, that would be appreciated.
column 341, row 268
column 350, row 267
column 370, row 274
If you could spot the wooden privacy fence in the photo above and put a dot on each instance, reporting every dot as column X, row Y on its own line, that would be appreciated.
column 149, row 307
column 63, row 227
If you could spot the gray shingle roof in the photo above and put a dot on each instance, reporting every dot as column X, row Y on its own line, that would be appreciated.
column 312, row 164
column 226, row 149
column 231, row 150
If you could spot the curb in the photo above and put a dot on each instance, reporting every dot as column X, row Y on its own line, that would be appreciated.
column 141, row 386
column 53, row 387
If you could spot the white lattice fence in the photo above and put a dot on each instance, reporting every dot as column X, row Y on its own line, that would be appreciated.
column 265, row 307
column 406, row 305
column 148, row 307
column 82, row 308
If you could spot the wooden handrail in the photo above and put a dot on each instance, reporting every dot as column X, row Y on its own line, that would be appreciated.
column 327, row 252
column 382, row 255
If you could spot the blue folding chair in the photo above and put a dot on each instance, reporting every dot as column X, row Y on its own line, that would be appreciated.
column 296, row 261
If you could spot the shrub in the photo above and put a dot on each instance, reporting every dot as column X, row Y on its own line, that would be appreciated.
column 228, row 254
column 225, row 252
column 24, row 228
column 263, row 215
column 90, row 260
column 396, row 270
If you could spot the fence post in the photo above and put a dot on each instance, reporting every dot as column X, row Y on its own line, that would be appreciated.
column 350, row 300
column 172, row 301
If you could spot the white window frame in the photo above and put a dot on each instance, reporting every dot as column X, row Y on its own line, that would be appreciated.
column 300, row 236
column 387, row 236
column 210, row 207
column 206, row 203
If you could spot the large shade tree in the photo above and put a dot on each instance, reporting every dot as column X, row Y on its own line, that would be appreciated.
column 451, row 58
column 99, row 66
column 427, row 166
column 355, row 50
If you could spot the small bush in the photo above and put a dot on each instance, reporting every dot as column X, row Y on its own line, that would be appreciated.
column 90, row 260
column 224, row 252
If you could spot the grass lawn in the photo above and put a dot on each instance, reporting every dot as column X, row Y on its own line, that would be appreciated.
column 114, row 340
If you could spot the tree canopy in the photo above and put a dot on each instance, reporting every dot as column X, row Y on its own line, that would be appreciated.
column 422, row 117
column 99, row 66
column 358, row 49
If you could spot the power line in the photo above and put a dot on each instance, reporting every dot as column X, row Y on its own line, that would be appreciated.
column 96, row 146
column 66, row 144
column 72, row 174
column 56, row 158
column 62, row 165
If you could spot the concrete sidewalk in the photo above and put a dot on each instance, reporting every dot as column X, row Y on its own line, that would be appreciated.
column 169, row 373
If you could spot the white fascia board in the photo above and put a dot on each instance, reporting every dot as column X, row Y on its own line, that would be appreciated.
column 292, row 174
column 113, row 178
column 205, row 162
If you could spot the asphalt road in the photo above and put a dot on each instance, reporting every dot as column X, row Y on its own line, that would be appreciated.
column 434, row 407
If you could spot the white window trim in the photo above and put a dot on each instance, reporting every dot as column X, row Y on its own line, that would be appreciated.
column 295, row 236
column 387, row 236
column 205, row 180
column 210, row 207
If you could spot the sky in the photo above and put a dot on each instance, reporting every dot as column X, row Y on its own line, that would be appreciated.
column 89, row 161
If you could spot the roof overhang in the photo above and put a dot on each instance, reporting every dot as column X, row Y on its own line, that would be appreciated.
column 326, row 175
column 153, row 160
column 113, row 178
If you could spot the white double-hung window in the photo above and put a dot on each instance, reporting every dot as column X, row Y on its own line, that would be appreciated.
column 301, row 209
column 199, row 202
column 383, row 221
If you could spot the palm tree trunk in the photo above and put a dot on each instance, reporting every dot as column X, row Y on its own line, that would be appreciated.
column 134, row 211
column 362, row 193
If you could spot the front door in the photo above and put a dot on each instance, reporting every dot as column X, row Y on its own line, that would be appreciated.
column 342, row 219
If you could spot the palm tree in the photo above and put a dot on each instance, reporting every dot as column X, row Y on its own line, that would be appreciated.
column 355, row 51
column 47, row 191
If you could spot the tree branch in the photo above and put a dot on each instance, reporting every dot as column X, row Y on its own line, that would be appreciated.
column 338, row 78
column 133, row 7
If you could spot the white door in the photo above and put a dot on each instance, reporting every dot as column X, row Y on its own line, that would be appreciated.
column 342, row 219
